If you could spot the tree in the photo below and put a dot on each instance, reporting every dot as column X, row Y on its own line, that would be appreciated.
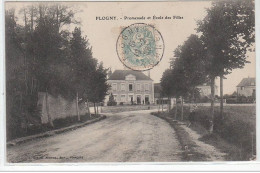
column 166, row 84
column 36, row 60
column 81, row 66
column 111, row 100
column 190, row 65
column 15, row 81
column 87, row 77
column 227, row 33
column 188, row 68
column 98, row 85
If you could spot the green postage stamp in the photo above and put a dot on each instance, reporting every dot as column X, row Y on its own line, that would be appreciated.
column 140, row 46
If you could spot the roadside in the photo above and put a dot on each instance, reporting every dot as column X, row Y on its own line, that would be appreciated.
column 235, row 135
column 71, row 123
column 123, row 137
column 53, row 132
column 193, row 148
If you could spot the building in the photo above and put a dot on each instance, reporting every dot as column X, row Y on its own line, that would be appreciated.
column 205, row 90
column 246, row 87
column 130, row 87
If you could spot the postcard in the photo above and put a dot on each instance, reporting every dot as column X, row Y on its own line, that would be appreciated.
column 129, row 82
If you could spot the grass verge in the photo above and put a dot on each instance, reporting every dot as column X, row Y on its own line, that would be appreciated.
column 58, row 124
column 188, row 145
column 235, row 135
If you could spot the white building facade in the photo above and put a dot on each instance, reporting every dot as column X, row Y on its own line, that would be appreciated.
column 247, row 87
column 130, row 87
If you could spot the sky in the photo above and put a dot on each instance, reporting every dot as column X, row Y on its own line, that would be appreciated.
column 103, row 34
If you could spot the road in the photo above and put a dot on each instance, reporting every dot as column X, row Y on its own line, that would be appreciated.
column 135, row 136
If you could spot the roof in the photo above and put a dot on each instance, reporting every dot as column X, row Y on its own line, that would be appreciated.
column 247, row 82
column 121, row 74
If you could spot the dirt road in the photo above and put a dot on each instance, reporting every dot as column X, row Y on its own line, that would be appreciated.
column 123, row 137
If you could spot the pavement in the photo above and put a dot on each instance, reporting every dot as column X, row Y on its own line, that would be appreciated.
column 135, row 136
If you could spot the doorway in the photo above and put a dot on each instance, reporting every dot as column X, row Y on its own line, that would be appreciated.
column 146, row 99
column 138, row 99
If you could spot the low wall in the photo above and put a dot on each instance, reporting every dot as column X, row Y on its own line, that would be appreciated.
column 125, row 108
column 58, row 107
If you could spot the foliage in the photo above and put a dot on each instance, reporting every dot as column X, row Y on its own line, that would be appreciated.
column 111, row 100
column 227, row 33
column 187, row 69
column 98, row 85
column 166, row 83
column 192, row 61
column 42, row 56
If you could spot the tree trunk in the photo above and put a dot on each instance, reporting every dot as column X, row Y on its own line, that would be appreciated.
column 168, row 105
column 212, row 86
column 221, row 97
column 47, row 109
column 77, row 106
column 95, row 108
column 25, row 18
column 192, row 97
column 21, row 102
column 158, row 106
column 176, row 110
column 162, row 104
column 88, row 109
column 31, row 19
column 182, row 108
column 57, row 18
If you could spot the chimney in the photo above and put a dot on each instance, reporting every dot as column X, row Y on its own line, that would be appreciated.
column 149, row 73
column 109, row 73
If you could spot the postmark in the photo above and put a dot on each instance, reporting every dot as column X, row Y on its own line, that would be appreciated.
column 140, row 47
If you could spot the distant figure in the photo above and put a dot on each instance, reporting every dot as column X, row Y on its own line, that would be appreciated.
column 193, row 108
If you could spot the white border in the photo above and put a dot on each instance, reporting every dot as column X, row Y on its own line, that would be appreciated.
column 140, row 166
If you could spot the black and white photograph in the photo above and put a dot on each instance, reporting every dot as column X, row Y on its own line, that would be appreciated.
column 130, row 82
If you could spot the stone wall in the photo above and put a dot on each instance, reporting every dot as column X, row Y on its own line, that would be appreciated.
column 58, row 107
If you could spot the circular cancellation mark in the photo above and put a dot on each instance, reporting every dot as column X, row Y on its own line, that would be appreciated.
column 140, row 46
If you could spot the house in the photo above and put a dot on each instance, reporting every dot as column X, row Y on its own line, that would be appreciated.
column 205, row 90
column 130, row 87
column 246, row 87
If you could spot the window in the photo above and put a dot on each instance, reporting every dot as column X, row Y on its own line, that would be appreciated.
column 130, row 98
column 115, row 97
column 122, row 87
column 122, row 98
column 146, row 87
column 130, row 87
column 242, row 88
column 138, row 87
column 146, row 99
column 114, row 86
